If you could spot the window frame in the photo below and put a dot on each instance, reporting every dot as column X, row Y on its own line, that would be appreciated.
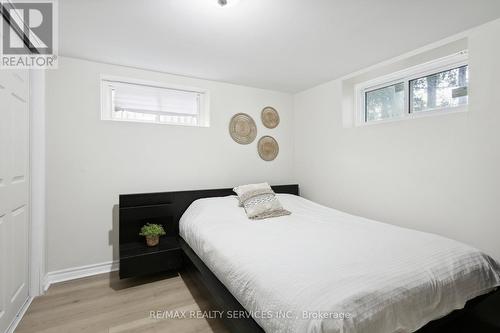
column 106, row 100
column 406, row 76
column 381, row 86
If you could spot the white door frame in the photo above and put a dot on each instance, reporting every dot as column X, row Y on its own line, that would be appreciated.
column 37, row 257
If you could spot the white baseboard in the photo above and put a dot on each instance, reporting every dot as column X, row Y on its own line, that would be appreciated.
column 12, row 327
column 79, row 272
column 45, row 283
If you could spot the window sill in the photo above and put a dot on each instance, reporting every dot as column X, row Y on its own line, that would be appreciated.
column 155, row 123
column 421, row 114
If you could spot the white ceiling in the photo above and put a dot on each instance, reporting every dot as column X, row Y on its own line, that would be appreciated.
column 286, row 45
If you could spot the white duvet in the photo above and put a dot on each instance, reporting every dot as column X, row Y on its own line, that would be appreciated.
column 321, row 270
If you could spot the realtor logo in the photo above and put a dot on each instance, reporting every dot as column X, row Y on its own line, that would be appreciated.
column 29, row 34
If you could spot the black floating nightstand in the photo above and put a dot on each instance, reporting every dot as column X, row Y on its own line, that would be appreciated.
column 136, row 258
column 139, row 259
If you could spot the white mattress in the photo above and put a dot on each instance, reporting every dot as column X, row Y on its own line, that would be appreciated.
column 380, row 277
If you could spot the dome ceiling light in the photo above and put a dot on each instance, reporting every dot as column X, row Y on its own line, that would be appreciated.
column 227, row 3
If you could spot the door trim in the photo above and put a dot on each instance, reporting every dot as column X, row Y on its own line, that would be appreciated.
column 17, row 319
column 37, row 251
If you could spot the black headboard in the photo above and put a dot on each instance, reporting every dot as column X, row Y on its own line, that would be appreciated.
column 166, row 208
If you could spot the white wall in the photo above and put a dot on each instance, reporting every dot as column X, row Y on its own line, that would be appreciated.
column 437, row 174
column 90, row 162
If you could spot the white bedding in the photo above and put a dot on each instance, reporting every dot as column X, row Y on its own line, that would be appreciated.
column 380, row 277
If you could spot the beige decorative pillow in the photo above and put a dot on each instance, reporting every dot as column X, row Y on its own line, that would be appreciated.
column 259, row 201
column 244, row 191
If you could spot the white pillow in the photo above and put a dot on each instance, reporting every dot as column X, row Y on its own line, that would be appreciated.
column 259, row 201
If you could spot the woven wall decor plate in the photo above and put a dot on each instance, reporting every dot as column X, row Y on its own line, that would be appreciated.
column 242, row 128
column 268, row 148
column 270, row 117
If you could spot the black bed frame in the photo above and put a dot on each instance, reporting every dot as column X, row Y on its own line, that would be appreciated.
column 178, row 202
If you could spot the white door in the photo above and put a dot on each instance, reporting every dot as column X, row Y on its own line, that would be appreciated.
column 14, row 193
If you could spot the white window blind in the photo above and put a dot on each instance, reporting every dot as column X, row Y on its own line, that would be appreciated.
column 129, row 101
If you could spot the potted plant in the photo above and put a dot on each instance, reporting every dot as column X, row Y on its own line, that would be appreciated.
column 152, row 232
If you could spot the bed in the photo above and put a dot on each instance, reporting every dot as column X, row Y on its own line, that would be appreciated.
column 322, row 270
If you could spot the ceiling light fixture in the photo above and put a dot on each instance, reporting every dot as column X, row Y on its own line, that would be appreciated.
column 227, row 3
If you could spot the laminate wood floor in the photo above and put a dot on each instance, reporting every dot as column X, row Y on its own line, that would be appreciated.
column 103, row 303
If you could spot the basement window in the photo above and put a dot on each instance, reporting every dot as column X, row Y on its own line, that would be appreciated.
column 436, row 87
column 146, row 102
column 443, row 90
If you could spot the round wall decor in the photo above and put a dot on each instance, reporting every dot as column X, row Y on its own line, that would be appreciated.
column 268, row 148
column 242, row 128
column 270, row 117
